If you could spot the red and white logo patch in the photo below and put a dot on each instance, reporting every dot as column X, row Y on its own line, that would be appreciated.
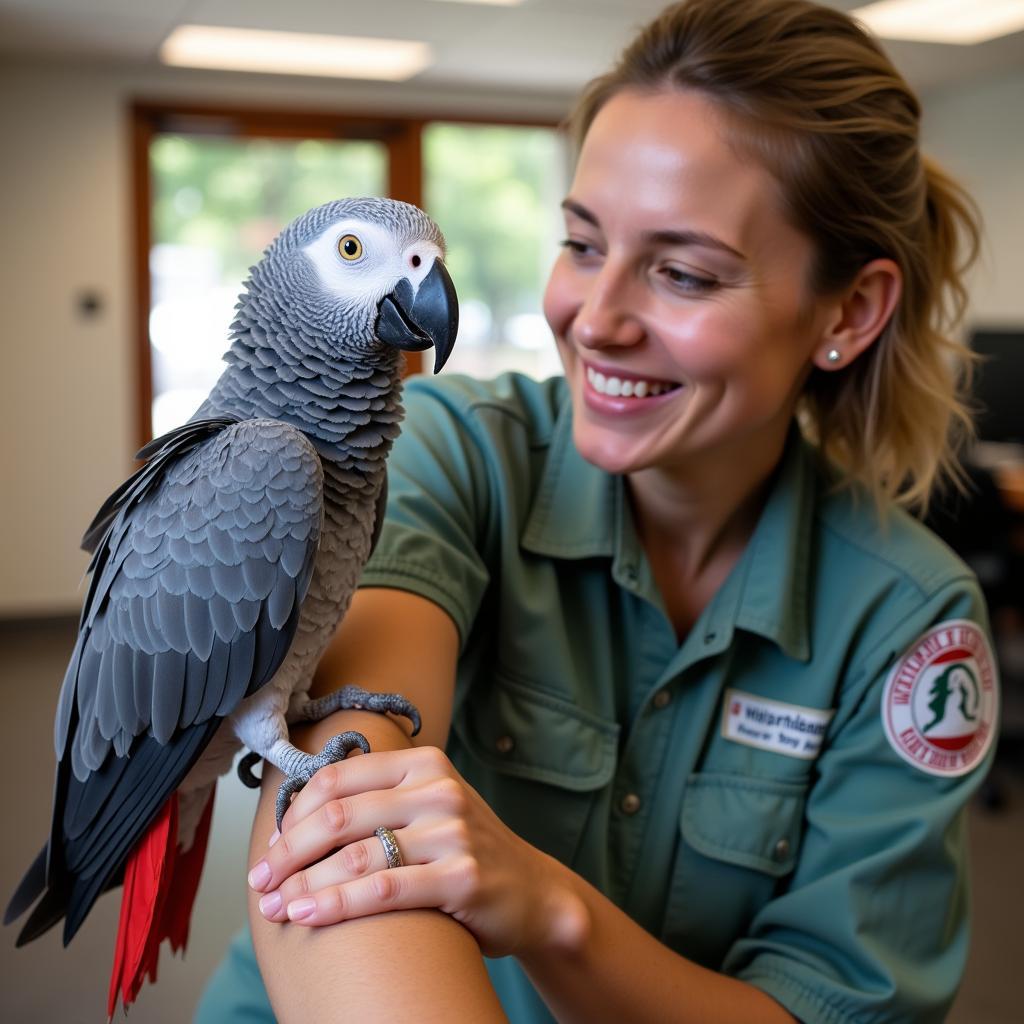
column 941, row 700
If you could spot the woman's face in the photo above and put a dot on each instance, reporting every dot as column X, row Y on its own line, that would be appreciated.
column 679, row 301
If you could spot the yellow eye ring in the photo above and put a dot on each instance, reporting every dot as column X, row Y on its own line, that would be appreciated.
column 350, row 248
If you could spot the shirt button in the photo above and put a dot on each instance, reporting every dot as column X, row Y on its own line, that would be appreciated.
column 505, row 744
column 662, row 699
column 630, row 803
column 781, row 851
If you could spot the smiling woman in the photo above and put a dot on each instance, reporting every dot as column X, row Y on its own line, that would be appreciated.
column 688, row 656
column 677, row 272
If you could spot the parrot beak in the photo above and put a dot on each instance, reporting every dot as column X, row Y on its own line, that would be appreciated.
column 431, row 317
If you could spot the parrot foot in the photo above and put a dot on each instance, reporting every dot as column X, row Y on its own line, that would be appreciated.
column 354, row 697
column 305, row 766
column 245, row 767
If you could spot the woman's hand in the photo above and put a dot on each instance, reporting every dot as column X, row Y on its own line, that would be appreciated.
column 328, row 866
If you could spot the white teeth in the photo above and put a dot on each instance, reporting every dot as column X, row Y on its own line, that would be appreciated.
column 617, row 387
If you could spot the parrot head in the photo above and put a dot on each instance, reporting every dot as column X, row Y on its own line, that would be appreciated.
column 356, row 275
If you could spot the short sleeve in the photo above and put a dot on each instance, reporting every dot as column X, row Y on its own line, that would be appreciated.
column 873, row 925
column 436, row 520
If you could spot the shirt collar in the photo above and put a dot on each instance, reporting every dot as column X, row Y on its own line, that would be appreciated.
column 774, row 570
column 580, row 512
column 767, row 592
column 573, row 515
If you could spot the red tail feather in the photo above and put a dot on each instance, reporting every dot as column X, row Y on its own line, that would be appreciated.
column 160, row 886
column 188, row 867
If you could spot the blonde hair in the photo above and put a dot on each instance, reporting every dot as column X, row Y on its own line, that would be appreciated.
column 815, row 99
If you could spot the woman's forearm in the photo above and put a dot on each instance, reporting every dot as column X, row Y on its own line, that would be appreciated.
column 405, row 965
column 602, row 966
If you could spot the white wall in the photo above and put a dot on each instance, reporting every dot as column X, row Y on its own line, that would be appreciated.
column 67, row 384
column 978, row 135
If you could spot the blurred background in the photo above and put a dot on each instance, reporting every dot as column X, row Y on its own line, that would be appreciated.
column 137, row 185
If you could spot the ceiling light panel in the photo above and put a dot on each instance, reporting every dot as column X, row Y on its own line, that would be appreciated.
column 960, row 22
column 294, row 53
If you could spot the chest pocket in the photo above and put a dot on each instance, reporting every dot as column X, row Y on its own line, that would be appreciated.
column 739, row 839
column 538, row 760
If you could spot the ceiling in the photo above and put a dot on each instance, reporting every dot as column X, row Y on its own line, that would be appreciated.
column 541, row 46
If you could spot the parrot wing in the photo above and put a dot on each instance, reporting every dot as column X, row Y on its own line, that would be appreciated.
column 200, row 566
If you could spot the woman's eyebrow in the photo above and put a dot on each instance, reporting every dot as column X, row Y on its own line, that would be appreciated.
column 666, row 237
column 662, row 236
column 579, row 210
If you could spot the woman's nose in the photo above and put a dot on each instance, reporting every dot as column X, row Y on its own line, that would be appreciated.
column 608, row 315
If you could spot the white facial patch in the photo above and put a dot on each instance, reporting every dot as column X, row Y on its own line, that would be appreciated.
column 773, row 725
column 941, row 700
column 383, row 262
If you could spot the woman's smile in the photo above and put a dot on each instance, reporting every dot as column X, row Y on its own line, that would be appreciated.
column 619, row 392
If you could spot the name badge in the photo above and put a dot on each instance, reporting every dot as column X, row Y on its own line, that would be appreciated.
column 773, row 725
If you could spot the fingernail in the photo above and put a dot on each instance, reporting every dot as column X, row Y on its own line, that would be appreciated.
column 260, row 875
column 298, row 909
column 270, row 904
column 274, row 836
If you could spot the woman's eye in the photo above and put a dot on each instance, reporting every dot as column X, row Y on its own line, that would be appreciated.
column 576, row 247
column 684, row 281
column 350, row 248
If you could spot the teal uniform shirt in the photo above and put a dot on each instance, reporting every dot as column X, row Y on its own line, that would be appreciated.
column 781, row 795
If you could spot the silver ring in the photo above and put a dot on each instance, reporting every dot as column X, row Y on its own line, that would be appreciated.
column 390, row 844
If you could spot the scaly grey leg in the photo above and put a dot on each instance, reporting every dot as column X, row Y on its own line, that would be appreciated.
column 300, row 767
column 354, row 697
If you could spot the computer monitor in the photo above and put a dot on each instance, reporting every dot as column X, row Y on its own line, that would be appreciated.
column 999, row 384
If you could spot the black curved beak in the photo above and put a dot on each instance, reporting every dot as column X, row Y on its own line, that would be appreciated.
column 431, row 317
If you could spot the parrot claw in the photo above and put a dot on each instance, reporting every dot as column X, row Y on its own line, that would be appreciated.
column 354, row 697
column 245, row 767
column 337, row 748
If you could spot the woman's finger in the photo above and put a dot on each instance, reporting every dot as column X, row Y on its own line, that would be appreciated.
column 422, row 843
column 335, row 824
column 405, row 888
column 352, row 861
column 382, row 770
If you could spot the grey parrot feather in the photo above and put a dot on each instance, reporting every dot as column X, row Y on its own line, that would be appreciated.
column 195, row 685
column 216, row 680
column 198, row 626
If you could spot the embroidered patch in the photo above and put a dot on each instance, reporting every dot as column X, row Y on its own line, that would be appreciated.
column 772, row 725
column 941, row 700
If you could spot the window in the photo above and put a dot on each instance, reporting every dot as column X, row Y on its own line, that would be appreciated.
column 213, row 188
column 495, row 191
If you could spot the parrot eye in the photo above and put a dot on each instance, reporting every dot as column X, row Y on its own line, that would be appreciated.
column 350, row 248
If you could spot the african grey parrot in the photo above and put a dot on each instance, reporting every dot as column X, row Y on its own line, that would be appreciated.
column 222, row 568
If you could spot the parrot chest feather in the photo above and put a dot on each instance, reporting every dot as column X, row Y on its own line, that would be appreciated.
column 260, row 720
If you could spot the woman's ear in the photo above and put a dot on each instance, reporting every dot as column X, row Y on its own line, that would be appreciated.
column 860, row 314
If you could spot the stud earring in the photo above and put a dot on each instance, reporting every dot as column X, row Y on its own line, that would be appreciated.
column 834, row 355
